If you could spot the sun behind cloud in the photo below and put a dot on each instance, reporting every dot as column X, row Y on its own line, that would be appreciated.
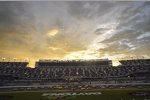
column 52, row 32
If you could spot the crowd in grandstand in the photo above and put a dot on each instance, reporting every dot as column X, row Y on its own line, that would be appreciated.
column 127, row 69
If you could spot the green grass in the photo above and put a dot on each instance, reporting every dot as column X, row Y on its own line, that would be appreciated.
column 106, row 95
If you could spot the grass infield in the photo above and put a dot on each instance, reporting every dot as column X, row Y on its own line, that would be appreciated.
column 107, row 94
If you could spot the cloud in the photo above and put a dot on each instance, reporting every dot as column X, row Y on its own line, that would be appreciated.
column 97, row 28
column 147, row 34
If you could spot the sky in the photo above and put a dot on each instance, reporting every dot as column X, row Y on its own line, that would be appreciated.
column 74, row 29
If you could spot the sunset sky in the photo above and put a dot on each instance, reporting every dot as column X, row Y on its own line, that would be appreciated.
column 74, row 29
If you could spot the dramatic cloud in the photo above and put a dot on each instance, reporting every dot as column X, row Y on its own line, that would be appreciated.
column 74, row 29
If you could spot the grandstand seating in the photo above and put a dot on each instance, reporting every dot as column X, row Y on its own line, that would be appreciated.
column 82, row 71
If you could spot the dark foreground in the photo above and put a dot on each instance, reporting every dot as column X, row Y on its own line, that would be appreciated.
column 106, row 94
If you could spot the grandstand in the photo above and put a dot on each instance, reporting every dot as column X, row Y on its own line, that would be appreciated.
column 98, row 71
column 94, row 62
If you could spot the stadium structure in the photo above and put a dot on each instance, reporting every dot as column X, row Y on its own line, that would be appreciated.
column 87, row 72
